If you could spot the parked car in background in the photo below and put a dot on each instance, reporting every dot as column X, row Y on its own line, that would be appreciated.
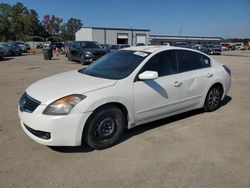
column 10, row 49
column 200, row 48
column 118, row 46
column 213, row 49
column 58, row 45
column 24, row 46
column 106, row 46
column 127, row 88
column 240, row 46
column 39, row 45
column 227, row 46
column 1, row 53
column 85, row 51
column 140, row 44
column 16, row 49
column 7, row 50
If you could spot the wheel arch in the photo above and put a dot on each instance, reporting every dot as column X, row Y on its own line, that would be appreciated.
column 118, row 105
column 217, row 83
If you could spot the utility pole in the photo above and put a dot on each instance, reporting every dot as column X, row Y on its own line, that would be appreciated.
column 180, row 32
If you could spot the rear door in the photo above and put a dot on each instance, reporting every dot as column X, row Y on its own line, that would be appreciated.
column 157, row 97
column 196, row 75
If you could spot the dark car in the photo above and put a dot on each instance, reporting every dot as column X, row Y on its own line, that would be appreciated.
column 10, row 49
column 85, row 51
column 24, row 46
column 106, row 46
column 213, row 49
column 119, row 46
column 16, row 49
column 201, row 48
column 1, row 53
column 58, row 45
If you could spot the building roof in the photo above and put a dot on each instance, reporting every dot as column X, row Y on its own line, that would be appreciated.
column 171, row 37
column 125, row 29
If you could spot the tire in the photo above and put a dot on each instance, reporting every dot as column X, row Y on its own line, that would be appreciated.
column 213, row 99
column 104, row 127
column 82, row 60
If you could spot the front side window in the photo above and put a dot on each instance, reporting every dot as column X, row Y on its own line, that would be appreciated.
column 164, row 63
column 189, row 60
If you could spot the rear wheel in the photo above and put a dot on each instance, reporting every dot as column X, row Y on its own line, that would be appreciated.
column 104, row 128
column 213, row 99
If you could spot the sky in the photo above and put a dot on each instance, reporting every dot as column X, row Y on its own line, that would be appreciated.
column 222, row 18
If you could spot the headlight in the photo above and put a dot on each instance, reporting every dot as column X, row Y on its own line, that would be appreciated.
column 64, row 105
column 88, row 53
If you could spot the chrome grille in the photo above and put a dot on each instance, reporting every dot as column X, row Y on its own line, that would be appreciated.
column 28, row 104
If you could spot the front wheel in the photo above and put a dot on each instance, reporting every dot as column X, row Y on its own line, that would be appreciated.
column 213, row 99
column 104, row 128
column 82, row 60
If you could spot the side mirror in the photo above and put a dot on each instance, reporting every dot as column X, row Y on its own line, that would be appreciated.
column 148, row 75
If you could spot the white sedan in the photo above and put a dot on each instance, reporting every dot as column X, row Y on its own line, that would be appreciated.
column 121, row 90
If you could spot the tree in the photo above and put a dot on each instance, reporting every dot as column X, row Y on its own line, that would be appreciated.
column 70, row 28
column 4, row 21
column 52, row 24
column 17, row 22
column 17, row 25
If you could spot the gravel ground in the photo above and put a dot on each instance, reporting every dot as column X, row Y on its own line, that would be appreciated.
column 194, row 149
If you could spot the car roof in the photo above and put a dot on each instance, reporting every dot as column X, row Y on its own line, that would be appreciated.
column 152, row 49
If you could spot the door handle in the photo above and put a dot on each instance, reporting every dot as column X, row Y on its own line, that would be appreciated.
column 177, row 83
column 209, row 75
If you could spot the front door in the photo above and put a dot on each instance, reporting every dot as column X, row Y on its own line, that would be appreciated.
column 158, row 97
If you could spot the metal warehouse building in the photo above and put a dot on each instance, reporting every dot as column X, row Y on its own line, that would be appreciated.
column 113, row 35
column 163, row 39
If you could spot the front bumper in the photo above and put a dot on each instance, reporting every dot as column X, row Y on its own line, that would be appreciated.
column 63, row 130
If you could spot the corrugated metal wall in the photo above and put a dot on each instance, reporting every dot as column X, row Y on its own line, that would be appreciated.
column 99, row 35
column 109, row 36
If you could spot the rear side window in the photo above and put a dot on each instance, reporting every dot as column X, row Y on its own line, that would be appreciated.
column 164, row 63
column 188, row 60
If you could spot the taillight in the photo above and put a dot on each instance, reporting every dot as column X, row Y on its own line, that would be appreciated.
column 227, row 69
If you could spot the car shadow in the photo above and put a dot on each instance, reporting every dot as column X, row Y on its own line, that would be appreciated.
column 72, row 149
column 226, row 100
column 6, row 59
column 140, row 129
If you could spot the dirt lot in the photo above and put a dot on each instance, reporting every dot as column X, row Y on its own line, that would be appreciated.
column 194, row 149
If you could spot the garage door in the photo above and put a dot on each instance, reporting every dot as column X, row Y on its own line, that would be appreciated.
column 141, row 39
column 122, row 36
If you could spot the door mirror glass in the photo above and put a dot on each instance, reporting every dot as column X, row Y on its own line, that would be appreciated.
column 148, row 75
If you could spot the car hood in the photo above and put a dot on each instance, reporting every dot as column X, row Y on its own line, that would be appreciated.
column 96, row 51
column 52, row 88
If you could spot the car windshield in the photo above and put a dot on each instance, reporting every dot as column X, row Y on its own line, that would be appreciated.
column 115, row 65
